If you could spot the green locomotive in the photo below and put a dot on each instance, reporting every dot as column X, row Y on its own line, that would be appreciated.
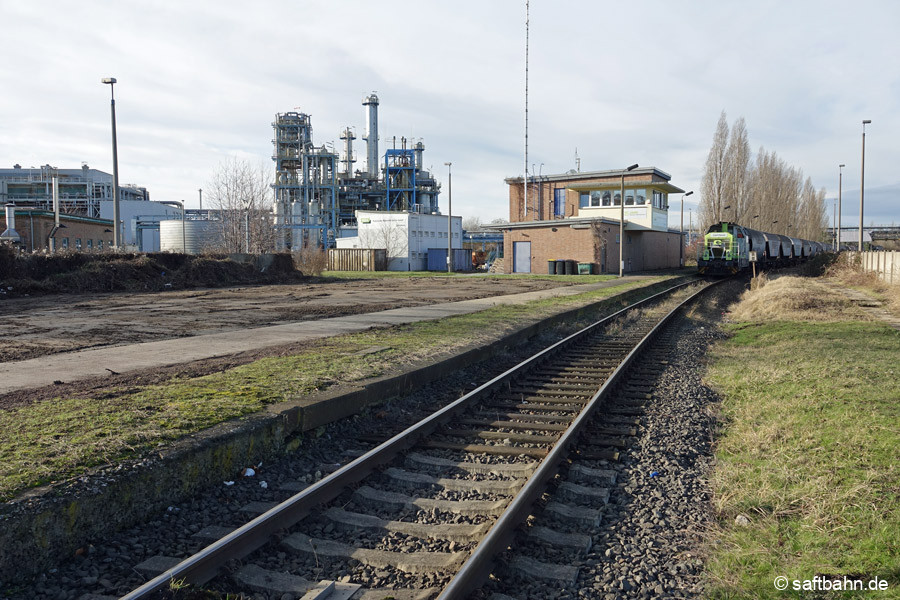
column 727, row 249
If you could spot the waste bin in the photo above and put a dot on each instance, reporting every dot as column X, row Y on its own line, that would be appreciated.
column 560, row 267
column 571, row 267
column 584, row 268
column 551, row 267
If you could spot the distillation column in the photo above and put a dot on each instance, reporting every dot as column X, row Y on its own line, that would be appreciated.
column 371, row 104
column 348, row 160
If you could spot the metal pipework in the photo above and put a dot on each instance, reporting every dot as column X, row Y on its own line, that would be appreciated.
column 10, row 234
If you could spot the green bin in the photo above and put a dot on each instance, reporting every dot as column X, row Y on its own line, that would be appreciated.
column 584, row 268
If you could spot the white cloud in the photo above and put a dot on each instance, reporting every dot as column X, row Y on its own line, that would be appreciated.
column 645, row 82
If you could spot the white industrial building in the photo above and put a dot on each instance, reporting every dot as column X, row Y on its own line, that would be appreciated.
column 140, row 221
column 405, row 236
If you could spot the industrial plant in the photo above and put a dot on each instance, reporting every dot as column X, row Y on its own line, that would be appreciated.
column 317, row 191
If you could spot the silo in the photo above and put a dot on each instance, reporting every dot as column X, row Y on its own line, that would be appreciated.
column 194, row 238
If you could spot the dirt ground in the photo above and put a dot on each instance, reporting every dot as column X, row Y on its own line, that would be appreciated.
column 60, row 323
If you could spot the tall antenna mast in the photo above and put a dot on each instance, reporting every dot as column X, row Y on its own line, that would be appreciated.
column 525, row 181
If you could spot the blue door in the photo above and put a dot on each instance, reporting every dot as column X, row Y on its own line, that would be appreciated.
column 521, row 257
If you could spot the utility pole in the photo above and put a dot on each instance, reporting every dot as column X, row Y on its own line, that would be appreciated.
column 837, row 246
column 862, row 183
column 681, row 229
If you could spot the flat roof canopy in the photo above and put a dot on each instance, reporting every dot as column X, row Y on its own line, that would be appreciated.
column 615, row 185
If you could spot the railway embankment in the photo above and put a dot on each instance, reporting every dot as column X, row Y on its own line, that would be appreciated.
column 808, row 457
column 99, row 461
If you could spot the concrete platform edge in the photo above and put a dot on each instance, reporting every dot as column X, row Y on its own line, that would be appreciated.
column 49, row 524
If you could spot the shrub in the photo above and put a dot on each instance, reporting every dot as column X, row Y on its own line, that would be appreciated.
column 310, row 261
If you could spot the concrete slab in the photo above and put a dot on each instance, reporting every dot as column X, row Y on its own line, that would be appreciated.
column 418, row 562
column 373, row 497
column 265, row 581
column 435, row 464
column 413, row 481
column 582, row 474
column 535, row 568
column 577, row 541
column 98, row 362
column 453, row 532
column 212, row 533
column 258, row 507
column 583, row 494
column 331, row 590
column 156, row 565
column 384, row 593
column 579, row 516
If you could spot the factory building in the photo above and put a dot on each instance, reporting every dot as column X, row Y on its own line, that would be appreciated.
column 36, row 230
column 81, row 191
column 318, row 192
column 575, row 216
column 406, row 236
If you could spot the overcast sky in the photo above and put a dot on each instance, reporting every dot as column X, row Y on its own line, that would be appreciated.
column 638, row 82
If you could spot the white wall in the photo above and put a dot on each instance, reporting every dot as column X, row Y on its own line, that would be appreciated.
column 130, row 210
column 885, row 263
column 406, row 236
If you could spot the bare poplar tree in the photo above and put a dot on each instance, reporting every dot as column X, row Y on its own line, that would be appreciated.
column 764, row 192
column 737, row 161
column 712, row 187
column 241, row 193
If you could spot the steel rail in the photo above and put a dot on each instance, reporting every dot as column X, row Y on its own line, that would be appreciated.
column 205, row 564
column 477, row 567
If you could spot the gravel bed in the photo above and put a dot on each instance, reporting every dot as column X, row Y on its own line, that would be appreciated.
column 650, row 543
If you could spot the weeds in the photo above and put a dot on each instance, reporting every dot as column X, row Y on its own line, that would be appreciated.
column 810, row 447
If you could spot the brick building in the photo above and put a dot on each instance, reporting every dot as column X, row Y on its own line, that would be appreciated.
column 85, row 234
column 576, row 216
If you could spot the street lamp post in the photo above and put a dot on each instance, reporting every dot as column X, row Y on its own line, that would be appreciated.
column 622, row 221
column 834, row 222
column 837, row 245
column 201, row 200
column 862, row 183
column 449, row 217
column 681, row 251
column 111, row 81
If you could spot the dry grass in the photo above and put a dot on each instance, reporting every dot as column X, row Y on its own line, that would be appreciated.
column 809, row 453
column 849, row 274
column 793, row 299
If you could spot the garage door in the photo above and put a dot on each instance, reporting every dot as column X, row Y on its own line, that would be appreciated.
column 521, row 257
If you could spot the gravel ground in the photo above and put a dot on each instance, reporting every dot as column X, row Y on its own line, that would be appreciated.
column 650, row 543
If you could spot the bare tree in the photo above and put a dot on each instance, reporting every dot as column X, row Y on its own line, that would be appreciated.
column 598, row 230
column 386, row 233
column 737, row 160
column 764, row 193
column 241, row 193
column 713, row 186
column 471, row 223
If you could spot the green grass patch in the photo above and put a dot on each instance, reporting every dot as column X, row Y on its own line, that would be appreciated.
column 810, row 453
column 58, row 439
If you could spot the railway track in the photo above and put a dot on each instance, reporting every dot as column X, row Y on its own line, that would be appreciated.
column 429, row 512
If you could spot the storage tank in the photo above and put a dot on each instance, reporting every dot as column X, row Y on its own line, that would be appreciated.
column 198, row 236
